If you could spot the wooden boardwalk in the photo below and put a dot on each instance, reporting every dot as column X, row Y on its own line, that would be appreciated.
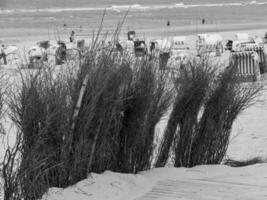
column 204, row 189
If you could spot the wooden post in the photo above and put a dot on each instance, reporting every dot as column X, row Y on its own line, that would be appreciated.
column 79, row 102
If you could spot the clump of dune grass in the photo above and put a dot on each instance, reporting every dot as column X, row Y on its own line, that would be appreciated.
column 206, row 104
column 120, row 108
column 148, row 99
column 192, row 82
column 226, row 101
column 8, row 162
column 10, row 174
column 97, row 115
column 41, row 112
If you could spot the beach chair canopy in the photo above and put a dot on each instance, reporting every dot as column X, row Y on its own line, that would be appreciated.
column 35, row 52
column 71, row 45
column 258, row 40
column 241, row 45
column 131, row 35
column 163, row 44
column 210, row 39
column 242, row 36
column 179, row 42
column 139, row 44
column 9, row 49
column 44, row 44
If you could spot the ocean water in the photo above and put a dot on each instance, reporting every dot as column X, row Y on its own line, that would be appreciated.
column 149, row 16
column 116, row 5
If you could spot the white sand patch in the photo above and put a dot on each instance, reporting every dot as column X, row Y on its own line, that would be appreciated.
column 202, row 182
column 108, row 186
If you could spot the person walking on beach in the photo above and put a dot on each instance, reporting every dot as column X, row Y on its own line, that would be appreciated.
column 168, row 23
column 72, row 36
column 3, row 54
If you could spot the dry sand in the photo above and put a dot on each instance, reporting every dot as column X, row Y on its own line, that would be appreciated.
column 213, row 182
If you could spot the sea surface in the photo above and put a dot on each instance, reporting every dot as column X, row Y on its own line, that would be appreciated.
column 146, row 15
column 120, row 4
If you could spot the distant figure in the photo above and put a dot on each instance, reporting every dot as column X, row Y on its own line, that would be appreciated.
column 152, row 46
column 72, row 36
column 61, row 53
column 203, row 21
column 81, row 28
column 3, row 54
column 64, row 26
column 168, row 23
